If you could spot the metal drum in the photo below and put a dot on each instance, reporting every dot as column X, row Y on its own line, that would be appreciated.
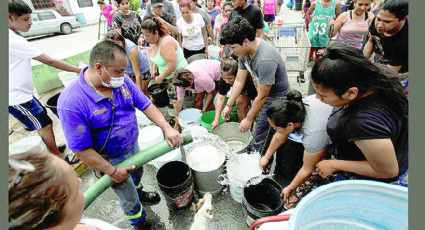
column 229, row 132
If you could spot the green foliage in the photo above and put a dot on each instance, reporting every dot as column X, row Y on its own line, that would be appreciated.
column 135, row 4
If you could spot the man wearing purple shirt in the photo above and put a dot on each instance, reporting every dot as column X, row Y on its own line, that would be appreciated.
column 97, row 113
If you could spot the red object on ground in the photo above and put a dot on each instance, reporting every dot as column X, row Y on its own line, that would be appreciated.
column 266, row 219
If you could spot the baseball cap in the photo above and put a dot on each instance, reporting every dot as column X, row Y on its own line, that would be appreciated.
column 156, row 3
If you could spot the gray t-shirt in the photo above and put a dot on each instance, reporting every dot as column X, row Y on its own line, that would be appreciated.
column 314, row 127
column 204, row 15
column 267, row 68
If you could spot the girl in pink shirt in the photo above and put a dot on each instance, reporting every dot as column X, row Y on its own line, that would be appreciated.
column 269, row 11
column 107, row 11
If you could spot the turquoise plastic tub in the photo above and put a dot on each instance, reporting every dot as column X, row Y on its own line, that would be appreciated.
column 354, row 205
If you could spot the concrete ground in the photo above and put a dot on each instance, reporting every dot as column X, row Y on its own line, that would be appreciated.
column 227, row 213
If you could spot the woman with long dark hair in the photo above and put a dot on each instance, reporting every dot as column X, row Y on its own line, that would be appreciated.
column 369, row 127
column 307, row 115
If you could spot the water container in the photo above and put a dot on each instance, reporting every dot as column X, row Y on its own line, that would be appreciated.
column 207, row 118
column 261, row 199
column 81, row 18
column 149, row 136
column 189, row 117
column 176, row 183
column 142, row 119
column 214, row 52
column 27, row 144
column 354, row 205
column 207, row 163
column 67, row 77
column 197, row 131
column 174, row 155
column 240, row 169
column 159, row 94
column 52, row 103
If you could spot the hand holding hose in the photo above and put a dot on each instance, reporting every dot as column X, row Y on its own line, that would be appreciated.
column 173, row 137
column 120, row 174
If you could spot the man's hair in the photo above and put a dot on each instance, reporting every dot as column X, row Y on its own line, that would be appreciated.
column 105, row 52
column 36, row 198
column 399, row 8
column 236, row 30
column 19, row 7
column 229, row 65
column 100, row 2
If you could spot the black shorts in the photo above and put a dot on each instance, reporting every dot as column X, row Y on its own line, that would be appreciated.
column 32, row 114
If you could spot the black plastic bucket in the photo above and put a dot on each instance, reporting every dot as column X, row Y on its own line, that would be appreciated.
column 159, row 94
column 176, row 183
column 52, row 103
column 262, row 199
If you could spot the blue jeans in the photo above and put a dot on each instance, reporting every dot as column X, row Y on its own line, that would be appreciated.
column 262, row 131
column 127, row 190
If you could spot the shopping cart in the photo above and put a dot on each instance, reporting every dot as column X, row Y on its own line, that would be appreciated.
column 291, row 39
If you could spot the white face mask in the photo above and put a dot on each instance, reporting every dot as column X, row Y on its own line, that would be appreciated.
column 115, row 82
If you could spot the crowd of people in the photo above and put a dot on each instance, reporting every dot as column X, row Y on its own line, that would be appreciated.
column 355, row 125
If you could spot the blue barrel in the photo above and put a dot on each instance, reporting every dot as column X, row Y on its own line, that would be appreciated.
column 81, row 18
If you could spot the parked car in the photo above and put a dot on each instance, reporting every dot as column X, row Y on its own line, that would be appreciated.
column 49, row 21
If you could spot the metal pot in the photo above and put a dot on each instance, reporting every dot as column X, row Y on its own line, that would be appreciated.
column 229, row 132
column 207, row 180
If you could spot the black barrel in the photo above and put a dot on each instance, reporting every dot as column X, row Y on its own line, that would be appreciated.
column 176, row 183
column 159, row 94
column 262, row 199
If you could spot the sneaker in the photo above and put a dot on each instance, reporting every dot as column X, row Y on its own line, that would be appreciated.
column 148, row 198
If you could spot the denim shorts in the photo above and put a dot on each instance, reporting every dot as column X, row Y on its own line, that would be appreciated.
column 32, row 114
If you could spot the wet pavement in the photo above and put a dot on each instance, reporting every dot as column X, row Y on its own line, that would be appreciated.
column 227, row 214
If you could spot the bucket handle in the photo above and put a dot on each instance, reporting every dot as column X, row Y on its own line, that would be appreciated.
column 223, row 179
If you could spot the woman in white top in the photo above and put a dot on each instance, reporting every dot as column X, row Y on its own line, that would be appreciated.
column 192, row 32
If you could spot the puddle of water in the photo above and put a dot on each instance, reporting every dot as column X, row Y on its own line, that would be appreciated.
column 227, row 213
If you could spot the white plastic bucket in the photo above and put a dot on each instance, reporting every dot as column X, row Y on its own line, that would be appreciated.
column 174, row 155
column 149, row 136
column 67, row 77
column 197, row 131
column 214, row 52
column 190, row 117
column 27, row 144
column 142, row 119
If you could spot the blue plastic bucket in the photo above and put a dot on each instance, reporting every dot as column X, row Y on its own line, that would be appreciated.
column 354, row 205
column 81, row 18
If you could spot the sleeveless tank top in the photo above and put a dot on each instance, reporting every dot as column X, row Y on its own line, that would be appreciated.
column 319, row 25
column 160, row 62
column 143, row 60
column 351, row 33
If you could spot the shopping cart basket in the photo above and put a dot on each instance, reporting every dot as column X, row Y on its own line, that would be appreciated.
column 291, row 39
